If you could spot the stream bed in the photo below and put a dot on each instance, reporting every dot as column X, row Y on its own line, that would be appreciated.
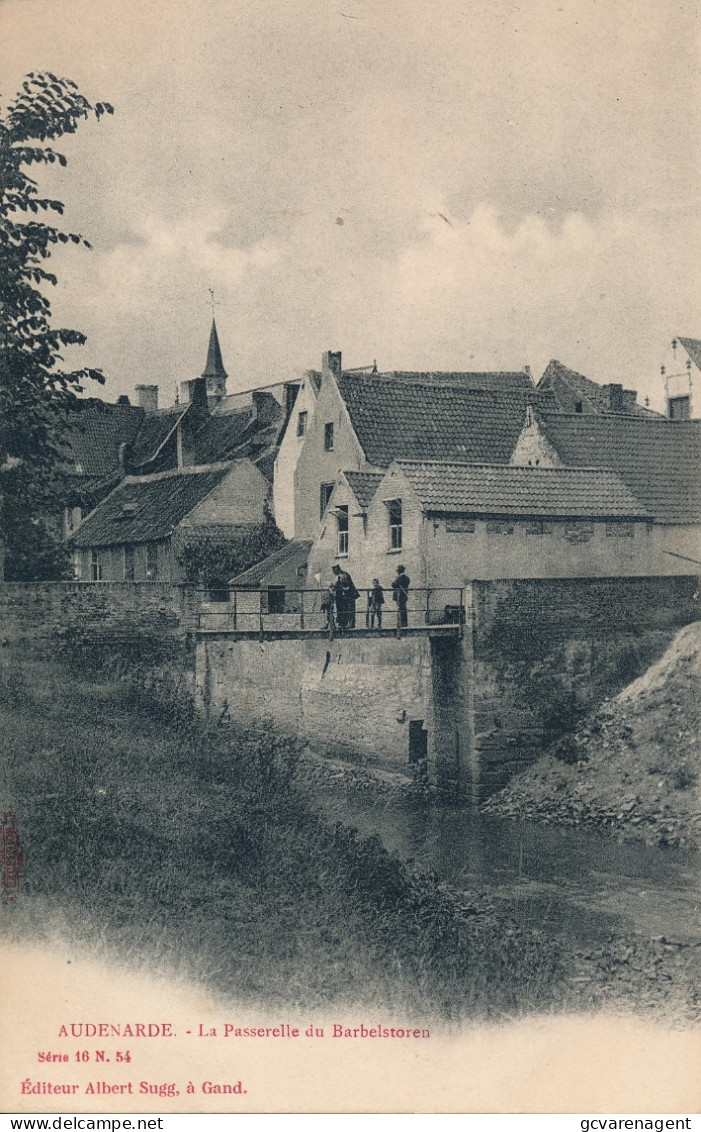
column 566, row 880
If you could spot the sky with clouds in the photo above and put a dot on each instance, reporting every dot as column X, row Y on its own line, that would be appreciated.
column 461, row 184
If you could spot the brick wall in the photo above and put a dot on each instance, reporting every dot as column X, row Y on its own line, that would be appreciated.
column 34, row 616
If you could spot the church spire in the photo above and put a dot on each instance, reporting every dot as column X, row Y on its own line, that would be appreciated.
column 214, row 371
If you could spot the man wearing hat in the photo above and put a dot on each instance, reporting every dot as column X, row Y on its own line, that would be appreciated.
column 400, row 592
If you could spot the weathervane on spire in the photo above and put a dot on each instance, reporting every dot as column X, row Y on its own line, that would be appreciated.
column 212, row 302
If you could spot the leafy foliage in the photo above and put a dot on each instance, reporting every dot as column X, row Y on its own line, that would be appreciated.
column 212, row 560
column 35, row 391
column 38, row 554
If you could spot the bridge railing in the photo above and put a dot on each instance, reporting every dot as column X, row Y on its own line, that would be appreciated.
column 279, row 609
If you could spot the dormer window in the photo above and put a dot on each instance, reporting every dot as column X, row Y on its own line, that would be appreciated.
column 579, row 406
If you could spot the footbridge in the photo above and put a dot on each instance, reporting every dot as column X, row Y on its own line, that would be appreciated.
column 279, row 613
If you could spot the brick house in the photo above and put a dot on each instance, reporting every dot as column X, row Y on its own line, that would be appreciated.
column 659, row 461
column 449, row 523
column 102, row 443
column 363, row 421
column 136, row 533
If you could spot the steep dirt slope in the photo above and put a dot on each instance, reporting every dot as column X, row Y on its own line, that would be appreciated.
column 634, row 765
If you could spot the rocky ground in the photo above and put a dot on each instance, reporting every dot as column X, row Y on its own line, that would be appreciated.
column 633, row 766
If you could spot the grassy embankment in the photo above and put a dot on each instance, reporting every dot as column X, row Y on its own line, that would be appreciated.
column 165, row 842
column 185, row 846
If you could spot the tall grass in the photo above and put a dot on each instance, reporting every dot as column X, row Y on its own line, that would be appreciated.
column 184, row 844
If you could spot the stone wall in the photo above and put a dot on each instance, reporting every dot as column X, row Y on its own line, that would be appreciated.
column 350, row 697
column 536, row 654
column 45, row 619
column 548, row 650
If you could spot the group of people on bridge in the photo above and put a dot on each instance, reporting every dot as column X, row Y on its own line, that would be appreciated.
column 339, row 602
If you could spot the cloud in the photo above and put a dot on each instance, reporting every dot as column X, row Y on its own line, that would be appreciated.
column 556, row 137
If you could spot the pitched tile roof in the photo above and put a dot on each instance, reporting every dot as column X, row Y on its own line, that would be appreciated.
column 148, row 508
column 93, row 434
column 693, row 349
column 409, row 420
column 295, row 548
column 503, row 380
column 493, row 489
column 232, row 436
column 658, row 459
column 595, row 397
column 363, row 485
column 155, row 430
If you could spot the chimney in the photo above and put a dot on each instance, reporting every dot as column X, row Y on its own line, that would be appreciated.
column 615, row 397
column 194, row 392
column 331, row 362
column 630, row 398
column 147, row 397
column 123, row 399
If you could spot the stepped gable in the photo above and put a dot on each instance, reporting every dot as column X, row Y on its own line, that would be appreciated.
column 409, row 420
column 93, row 434
column 658, row 459
column 364, row 485
column 595, row 398
column 145, row 509
column 693, row 349
column 488, row 489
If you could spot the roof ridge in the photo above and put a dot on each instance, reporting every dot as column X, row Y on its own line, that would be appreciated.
column 385, row 378
column 509, row 467
column 186, row 469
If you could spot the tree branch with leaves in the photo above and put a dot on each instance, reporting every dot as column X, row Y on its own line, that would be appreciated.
column 36, row 392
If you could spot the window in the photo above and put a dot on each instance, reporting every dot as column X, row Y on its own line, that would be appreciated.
column 394, row 507
column 218, row 592
column 129, row 564
column 301, row 424
column 96, row 565
column 496, row 527
column 326, row 489
column 276, row 599
column 342, row 530
column 579, row 406
column 328, row 437
column 151, row 561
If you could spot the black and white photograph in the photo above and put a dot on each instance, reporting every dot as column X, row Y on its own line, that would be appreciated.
column 350, row 556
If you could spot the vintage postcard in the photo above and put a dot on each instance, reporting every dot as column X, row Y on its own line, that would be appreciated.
column 350, row 504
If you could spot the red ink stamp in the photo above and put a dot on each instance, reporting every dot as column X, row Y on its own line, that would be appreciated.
column 11, row 856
